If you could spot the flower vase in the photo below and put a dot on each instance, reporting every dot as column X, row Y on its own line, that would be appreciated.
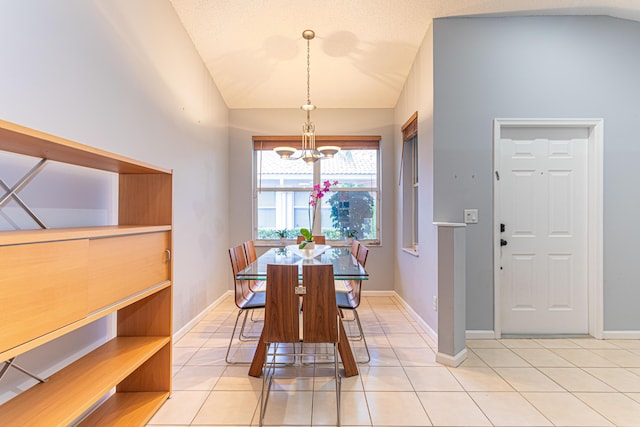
column 283, row 241
column 308, row 249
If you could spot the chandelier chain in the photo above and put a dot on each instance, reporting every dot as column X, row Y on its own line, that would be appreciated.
column 308, row 72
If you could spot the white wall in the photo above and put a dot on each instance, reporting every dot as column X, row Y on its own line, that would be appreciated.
column 416, row 277
column 245, row 123
column 124, row 76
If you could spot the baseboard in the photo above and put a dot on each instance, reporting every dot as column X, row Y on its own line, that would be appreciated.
column 193, row 322
column 453, row 361
column 379, row 293
column 480, row 335
column 424, row 325
column 621, row 335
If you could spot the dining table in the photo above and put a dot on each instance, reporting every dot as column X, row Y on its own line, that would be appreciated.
column 345, row 267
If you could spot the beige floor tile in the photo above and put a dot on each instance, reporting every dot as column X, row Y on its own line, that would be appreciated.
column 575, row 379
column 380, row 356
column 432, row 379
column 396, row 409
column 384, row 379
column 624, row 358
column 181, row 409
column 584, row 358
column 407, row 340
column 542, row 357
column 221, row 339
column 500, row 357
column 236, row 378
column 354, row 410
column 508, row 409
column 452, row 409
column 520, row 343
column 528, row 379
column 619, row 378
column 593, row 343
column 484, row 344
column 207, row 326
column 628, row 344
column 416, row 356
column 480, row 379
column 621, row 410
column 288, row 408
column 197, row 377
column 181, row 355
column 228, row 407
column 564, row 409
column 209, row 357
column 398, row 328
column 556, row 343
column 634, row 396
column 473, row 361
column 324, row 381
column 195, row 339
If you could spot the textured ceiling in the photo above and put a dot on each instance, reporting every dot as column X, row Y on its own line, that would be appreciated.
column 362, row 52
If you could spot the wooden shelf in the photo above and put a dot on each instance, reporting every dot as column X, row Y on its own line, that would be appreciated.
column 126, row 410
column 73, row 390
column 58, row 280
column 22, row 140
column 19, row 237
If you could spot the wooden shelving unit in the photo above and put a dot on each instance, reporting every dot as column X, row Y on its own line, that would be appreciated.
column 55, row 281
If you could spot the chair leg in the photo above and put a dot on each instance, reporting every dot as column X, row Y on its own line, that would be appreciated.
column 366, row 347
column 235, row 325
column 338, row 382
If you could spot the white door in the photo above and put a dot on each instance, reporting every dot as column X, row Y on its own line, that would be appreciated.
column 543, row 199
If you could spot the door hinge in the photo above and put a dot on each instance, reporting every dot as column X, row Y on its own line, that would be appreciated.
column 497, row 176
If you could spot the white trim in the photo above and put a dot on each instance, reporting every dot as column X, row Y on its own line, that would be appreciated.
column 379, row 293
column 621, row 335
column 480, row 335
column 193, row 322
column 453, row 361
column 594, row 215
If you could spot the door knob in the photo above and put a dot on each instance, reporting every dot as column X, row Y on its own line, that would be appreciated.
column 503, row 242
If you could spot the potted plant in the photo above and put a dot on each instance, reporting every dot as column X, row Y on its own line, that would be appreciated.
column 314, row 200
column 350, row 235
column 282, row 234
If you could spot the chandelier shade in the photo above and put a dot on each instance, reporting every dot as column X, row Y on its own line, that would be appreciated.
column 308, row 152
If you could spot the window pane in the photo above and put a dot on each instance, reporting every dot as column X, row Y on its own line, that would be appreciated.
column 281, row 210
column 274, row 172
column 352, row 168
column 344, row 211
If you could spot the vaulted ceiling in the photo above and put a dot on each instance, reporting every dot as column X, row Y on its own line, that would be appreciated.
column 362, row 52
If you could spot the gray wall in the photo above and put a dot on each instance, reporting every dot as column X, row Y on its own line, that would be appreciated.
column 245, row 123
column 538, row 67
column 124, row 76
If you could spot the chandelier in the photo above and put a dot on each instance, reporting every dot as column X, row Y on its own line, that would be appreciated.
column 308, row 152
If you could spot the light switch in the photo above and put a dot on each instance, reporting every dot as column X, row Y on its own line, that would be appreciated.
column 471, row 216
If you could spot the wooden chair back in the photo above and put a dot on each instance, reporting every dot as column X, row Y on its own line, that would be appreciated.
column 281, row 316
column 355, row 245
column 250, row 251
column 363, row 253
column 320, row 314
column 242, row 288
column 320, row 239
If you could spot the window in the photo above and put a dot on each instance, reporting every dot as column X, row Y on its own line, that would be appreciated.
column 282, row 189
column 409, row 176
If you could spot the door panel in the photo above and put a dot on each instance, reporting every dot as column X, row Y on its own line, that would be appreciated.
column 543, row 204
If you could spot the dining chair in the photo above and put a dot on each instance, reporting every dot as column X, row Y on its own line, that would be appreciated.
column 320, row 319
column 355, row 245
column 249, row 251
column 319, row 239
column 350, row 301
column 246, row 300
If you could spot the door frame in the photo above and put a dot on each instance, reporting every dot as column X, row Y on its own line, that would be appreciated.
column 594, row 215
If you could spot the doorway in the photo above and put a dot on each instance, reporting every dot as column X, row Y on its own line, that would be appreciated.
column 548, row 227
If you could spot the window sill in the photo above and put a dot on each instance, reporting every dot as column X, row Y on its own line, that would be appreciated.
column 410, row 251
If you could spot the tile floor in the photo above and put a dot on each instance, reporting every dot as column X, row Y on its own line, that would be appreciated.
column 509, row 382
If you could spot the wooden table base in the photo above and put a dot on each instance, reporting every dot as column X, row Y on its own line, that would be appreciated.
column 346, row 356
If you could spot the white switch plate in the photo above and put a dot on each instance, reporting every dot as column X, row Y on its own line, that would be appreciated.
column 471, row 216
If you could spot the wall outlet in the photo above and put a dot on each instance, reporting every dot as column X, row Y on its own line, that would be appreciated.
column 471, row 216
column 435, row 303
